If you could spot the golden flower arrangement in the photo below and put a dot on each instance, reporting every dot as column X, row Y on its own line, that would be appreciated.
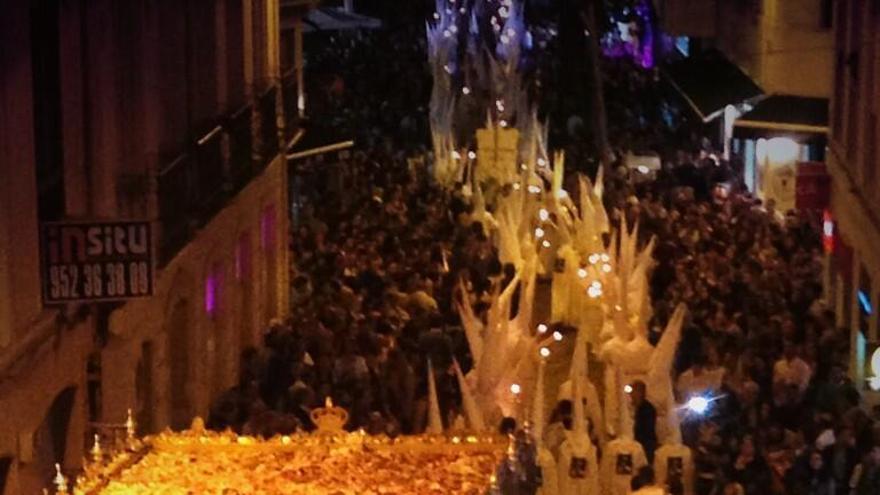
column 328, row 462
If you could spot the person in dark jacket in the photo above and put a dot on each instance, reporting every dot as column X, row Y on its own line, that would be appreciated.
column 645, row 421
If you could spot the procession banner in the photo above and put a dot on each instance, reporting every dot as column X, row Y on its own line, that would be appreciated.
column 96, row 261
column 486, row 154
column 506, row 155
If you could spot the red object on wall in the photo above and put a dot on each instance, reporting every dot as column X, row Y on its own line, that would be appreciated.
column 812, row 186
column 828, row 231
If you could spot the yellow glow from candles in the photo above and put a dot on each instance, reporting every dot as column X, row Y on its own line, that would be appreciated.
column 543, row 214
column 328, row 402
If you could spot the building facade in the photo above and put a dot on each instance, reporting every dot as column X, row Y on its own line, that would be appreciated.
column 853, row 161
column 159, row 110
column 784, row 45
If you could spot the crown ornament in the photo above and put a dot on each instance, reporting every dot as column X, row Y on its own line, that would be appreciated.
column 329, row 419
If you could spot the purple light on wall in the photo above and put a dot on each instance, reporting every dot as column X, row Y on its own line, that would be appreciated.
column 212, row 291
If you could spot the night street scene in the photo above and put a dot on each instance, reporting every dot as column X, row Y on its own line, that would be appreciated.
column 439, row 247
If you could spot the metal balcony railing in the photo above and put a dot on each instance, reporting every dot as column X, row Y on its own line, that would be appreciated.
column 240, row 166
column 268, row 124
column 197, row 183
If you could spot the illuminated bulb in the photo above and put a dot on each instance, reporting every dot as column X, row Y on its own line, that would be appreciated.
column 462, row 10
column 593, row 259
column 643, row 169
column 465, row 90
column 606, row 268
column 447, row 33
column 542, row 162
column 534, row 189
column 597, row 284
column 542, row 328
column 453, row 28
column 505, row 40
column 543, row 214
column 605, row 257
column 472, row 155
column 456, row 155
column 698, row 405
column 544, row 352
column 562, row 194
column 582, row 273
column 447, row 68
column 545, row 243
column 539, row 232
column 499, row 105
column 516, row 186
column 594, row 292
column 502, row 123
column 511, row 32
column 515, row 388
column 522, row 166
column 628, row 389
column 557, row 336
column 436, row 16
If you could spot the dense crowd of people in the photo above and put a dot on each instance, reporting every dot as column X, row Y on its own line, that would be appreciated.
column 379, row 251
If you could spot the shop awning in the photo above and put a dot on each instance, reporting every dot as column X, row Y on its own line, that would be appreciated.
column 333, row 19
column 709, row 82
column 784, row 114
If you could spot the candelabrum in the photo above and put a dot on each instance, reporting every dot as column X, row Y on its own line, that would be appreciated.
column 60, row 481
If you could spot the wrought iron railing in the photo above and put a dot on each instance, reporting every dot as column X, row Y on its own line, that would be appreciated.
column 240, row 165
column 195, row 184
column 268, row 124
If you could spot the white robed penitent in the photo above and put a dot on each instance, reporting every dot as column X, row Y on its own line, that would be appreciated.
column 545, row 460
column 578, row 466
column 674, row 460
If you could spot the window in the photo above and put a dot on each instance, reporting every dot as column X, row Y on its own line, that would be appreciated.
column 243, row 257
column 46, row 83
column 268, row 228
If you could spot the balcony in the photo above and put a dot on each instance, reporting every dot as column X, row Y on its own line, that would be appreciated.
column 198, row 182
